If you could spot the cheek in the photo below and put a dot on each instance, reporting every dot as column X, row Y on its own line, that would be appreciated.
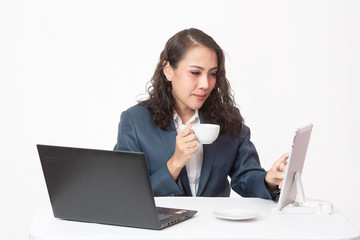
column 184, row 77
column 190, row 80
column 212, row 83
column 184, row 83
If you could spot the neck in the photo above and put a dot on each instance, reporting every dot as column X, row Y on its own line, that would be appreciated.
column 185, row 115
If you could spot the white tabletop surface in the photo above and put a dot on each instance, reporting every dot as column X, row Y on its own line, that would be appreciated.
column 204, row 225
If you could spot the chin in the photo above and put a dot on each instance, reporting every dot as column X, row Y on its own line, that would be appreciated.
column 197, row 107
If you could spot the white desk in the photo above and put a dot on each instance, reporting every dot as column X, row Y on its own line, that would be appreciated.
column 204, row 225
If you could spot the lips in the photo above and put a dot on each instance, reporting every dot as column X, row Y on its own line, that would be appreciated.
column 199, row 96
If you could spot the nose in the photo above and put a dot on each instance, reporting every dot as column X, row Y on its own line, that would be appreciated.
column 204, row 82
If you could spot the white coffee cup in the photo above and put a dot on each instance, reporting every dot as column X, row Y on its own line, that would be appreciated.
column 206, row 133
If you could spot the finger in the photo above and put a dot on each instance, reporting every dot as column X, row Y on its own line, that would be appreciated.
column 186, row 131
column 190, row 138
column 188, row 128
column 282, row 167
column 283, row 158
column 192, row 150
column 280, row 184
column 185, row 147
column 280, row 175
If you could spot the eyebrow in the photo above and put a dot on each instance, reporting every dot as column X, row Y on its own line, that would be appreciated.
column 201, row 68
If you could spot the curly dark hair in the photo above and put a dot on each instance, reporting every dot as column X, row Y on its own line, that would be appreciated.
column 219, row 108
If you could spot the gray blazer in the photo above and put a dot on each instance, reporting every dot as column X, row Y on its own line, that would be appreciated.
column 236, row 158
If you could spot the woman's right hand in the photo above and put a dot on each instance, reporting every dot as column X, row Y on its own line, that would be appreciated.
column 186, row 145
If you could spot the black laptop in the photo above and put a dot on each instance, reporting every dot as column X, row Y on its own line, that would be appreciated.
column 108, row 187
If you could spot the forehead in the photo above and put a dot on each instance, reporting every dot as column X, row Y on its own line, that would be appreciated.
column 199, row 56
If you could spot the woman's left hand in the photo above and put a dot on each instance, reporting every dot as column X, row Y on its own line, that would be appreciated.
column 275, row 176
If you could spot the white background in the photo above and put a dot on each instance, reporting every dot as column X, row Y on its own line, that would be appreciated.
column 69, row 68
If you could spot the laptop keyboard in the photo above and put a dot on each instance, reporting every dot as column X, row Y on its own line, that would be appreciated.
column 163, row 216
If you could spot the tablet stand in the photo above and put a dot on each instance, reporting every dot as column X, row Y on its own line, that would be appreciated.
column 301, row 205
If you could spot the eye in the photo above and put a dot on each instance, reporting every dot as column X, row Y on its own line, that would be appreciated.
column 213, row 74
column 195, row 73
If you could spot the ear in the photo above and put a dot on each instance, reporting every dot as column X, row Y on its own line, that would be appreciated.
column 168, row 71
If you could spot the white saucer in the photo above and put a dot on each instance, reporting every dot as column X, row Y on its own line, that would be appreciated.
column 236, row 214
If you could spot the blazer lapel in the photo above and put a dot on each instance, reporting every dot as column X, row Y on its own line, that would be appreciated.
column 208, row 160
column 169, row 140
column 185, row 182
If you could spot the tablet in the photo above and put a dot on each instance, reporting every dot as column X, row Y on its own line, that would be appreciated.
column 295, row 165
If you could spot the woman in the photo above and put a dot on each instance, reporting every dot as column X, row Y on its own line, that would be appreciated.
column 189, row 86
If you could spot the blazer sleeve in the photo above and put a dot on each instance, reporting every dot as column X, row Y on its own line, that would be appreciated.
column 134, row 130
column 247, row 175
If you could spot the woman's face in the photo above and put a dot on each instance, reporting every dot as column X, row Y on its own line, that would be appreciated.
column 193, row 79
